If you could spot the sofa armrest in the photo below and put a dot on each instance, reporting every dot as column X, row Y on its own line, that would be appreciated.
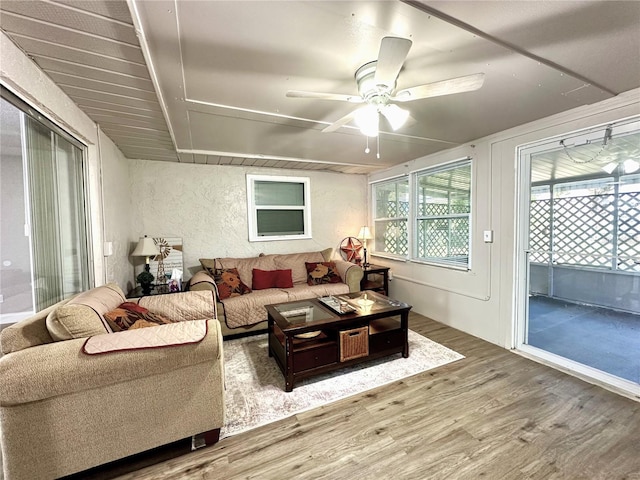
column 201, row 281
column 61, row 368
column 350, row 273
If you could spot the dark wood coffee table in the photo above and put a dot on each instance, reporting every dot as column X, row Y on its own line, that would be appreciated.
column 308, row 337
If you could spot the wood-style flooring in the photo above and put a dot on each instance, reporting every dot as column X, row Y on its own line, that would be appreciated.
column 493, row 415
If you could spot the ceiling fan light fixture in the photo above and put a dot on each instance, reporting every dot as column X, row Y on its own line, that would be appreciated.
column 366, row 119
column 395, row 115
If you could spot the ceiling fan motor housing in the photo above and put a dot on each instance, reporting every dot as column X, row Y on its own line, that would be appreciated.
column 372, row 93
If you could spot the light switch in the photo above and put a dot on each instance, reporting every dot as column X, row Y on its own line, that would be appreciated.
column 488, row 236
column 108, row 249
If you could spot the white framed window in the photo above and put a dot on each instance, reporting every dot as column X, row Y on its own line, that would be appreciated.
column 390, row 217
column 279, row 208
column 442, row 217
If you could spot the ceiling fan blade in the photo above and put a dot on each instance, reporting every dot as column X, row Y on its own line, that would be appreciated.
column 467, row 83
column 325, row 96
column 392, row 54
column 339, row 123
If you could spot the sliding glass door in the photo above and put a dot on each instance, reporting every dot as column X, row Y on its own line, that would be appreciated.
column 44, row 227
column 579, row 249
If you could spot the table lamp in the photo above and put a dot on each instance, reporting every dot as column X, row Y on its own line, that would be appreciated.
column 364, row 235
column 146, row 248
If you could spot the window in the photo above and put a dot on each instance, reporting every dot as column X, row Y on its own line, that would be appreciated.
column 438, row 202
column 44, row 225
column 443, row 209
column 279, row 208
column 390, row 216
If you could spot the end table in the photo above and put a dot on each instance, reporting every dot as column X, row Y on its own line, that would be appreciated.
column 375, row 278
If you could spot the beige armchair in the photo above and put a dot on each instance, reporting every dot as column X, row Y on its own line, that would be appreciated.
column 63, row 411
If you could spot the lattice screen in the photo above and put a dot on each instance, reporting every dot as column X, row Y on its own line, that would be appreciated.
column 540, row 231
column 584, row 232
column 629, row 232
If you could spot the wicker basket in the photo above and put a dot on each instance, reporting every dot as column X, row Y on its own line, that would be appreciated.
column 354, row 343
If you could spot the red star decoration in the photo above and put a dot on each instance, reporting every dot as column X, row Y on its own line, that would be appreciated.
column 351, row 248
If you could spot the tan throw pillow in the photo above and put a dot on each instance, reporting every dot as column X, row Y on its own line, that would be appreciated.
column 83, row 315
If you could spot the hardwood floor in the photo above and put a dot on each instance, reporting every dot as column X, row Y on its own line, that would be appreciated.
column 492, row 415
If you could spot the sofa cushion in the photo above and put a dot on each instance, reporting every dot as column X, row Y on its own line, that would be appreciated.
column 83, row 315
column 229, row 283
column 296, row 262
column 304, row 291
column 249, row 309
column 244, row 266
column 182, row 306
column 271, row 279
column 130, row 316
column 322, row 272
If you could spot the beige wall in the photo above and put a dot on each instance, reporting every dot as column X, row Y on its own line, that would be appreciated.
column 482, row 300
column 206, row 205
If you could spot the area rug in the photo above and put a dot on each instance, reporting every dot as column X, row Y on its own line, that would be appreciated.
column 255, row 385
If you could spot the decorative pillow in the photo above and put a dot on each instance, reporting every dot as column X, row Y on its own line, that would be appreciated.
column 271, row 279
column 129, row 316
column 229, row 284
column 322, row 272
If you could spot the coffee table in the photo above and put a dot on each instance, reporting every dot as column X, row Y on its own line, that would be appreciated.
column 314, row 336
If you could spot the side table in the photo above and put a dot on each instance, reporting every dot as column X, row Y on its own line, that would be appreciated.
column 375, row 278
column 155, row 290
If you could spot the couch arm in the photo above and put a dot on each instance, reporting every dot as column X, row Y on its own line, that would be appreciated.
column 350, row 273
column 201, row 281
column 61, row 368
column 182, row 306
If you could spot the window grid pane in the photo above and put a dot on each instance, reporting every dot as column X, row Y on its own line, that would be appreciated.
column 443, row 207
column 391, row 217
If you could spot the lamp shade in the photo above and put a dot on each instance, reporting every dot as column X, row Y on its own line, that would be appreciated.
column 146, row 248
column 365, row 233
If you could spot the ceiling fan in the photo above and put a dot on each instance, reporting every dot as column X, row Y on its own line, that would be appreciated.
column 376, row 82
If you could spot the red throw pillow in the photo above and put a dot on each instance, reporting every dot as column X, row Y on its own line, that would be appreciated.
column 263, row 279
column 229, row 283
column 284, row 279
column 271, row 279
column 322, row 272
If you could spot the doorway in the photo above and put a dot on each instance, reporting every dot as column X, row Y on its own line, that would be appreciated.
column 579, row 253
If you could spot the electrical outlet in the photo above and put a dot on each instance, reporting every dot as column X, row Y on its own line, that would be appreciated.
column 488, row 236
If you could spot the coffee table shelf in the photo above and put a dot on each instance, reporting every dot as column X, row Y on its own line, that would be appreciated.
column 385, row 324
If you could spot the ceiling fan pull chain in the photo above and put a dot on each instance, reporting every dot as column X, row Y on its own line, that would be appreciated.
column 366, row 150
column 378, row 140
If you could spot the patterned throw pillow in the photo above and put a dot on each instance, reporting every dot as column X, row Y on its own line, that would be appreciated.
column 229, row 284
column 322, row 272
column 129, row 316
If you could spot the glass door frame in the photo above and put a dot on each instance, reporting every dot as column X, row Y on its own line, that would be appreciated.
column 524, row 155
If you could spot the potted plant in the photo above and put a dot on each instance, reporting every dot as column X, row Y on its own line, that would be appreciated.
column 145, row 279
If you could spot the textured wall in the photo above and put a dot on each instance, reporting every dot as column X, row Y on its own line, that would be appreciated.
column 206, row 205
column 117, row 213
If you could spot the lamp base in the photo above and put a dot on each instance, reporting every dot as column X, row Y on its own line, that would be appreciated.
column 146, row 288
column 365, row 264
